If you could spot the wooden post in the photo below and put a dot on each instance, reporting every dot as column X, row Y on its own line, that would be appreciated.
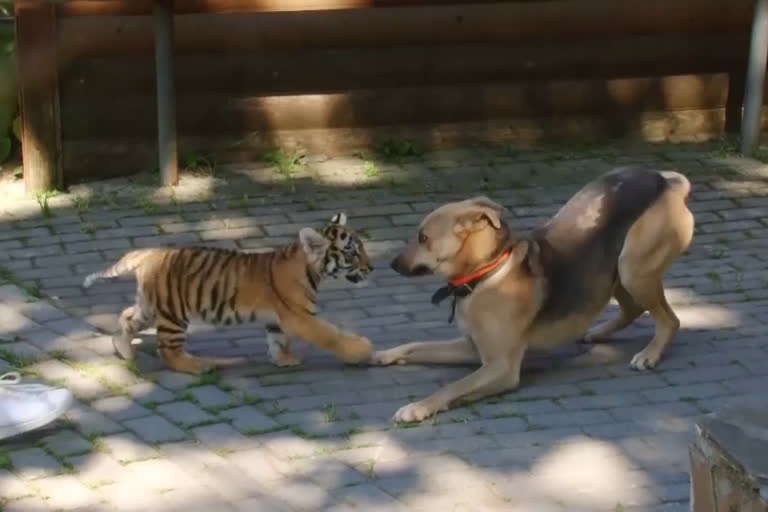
column 753, row 95
column 166, row 97
column 39, row 95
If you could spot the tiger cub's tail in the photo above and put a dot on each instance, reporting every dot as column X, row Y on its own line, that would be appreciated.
column 127, row 264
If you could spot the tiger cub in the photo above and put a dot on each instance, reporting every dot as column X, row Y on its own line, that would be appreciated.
column 227, row 287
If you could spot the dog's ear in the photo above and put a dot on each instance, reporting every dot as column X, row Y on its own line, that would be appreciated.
column 528, row 252
column 481, row 208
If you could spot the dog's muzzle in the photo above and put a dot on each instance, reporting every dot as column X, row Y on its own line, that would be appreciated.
column 418, row 270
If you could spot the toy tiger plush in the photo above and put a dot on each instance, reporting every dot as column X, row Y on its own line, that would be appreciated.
column 222, row 286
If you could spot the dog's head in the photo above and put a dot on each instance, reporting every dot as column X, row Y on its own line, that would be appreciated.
column 453, row 239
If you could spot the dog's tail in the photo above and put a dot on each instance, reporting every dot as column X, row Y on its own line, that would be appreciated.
column 678, row 183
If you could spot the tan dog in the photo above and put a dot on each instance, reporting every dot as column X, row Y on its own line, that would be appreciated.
column 616, row 237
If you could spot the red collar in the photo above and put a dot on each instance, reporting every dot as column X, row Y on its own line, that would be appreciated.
column 482, row 271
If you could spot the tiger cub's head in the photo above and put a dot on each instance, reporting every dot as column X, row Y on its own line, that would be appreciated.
column 338, row 250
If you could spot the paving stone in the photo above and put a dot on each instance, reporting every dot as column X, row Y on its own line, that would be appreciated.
column 155, row 429
column 22, row 352
column 653, row 413
column 65, row 492
column 550, row 420
column 174, row 380
column 71, row 327
column 705, row 374
column 687, row 393
column 193, row 456
column 120, row 408
column 212, row 396
column 221, row 436
column 330, row 474
column 262, row 503
column 130, row 496
column 369, row 495
column 31, row 504
column 196, row 500
column 118, row 375
column 90, row 422
column 302, row 495
column 185, row 414
column 67, row 442
column 34, row 463
column 149, row 392
column 160, row 475
column 13, row 487
column 127, row 447
column 97, row 469
column 260, row 465
column 248, row 419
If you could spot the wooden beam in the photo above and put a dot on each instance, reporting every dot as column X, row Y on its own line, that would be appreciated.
column 500, row 23
column 38, row 91
column 215, row 114
column 144, row 7
column 166, row 96
column 327, row 70
column 753, row 95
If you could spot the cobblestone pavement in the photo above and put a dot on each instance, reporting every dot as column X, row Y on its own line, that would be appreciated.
column 582, row 433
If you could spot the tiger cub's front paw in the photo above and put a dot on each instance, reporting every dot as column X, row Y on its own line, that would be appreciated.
column 355, row 349
column 285, row 359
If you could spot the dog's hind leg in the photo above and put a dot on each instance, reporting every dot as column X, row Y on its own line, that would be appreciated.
column 629, row 311
column 650, row 293
column 653, row 242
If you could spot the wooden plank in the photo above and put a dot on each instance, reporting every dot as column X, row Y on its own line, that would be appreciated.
column 220, row 114
column 555, row 20
column 328, row 70
column 144, row 7
column 102, row 157
column 38, row 91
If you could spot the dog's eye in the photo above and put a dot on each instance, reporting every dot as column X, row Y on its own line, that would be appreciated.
column 422, row 237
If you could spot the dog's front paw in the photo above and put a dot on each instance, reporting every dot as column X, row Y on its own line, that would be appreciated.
column 645, row 360
column 416, row 411
column 387, row 357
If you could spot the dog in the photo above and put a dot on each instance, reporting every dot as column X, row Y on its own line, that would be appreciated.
column 616, row 237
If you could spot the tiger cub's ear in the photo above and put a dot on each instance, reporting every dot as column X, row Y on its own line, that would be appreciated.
column 313, row 243
column 340, row 219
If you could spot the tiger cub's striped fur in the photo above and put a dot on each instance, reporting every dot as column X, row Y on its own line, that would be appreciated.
column 279, row 288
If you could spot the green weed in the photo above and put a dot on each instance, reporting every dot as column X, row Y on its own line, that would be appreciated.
column 286, row 163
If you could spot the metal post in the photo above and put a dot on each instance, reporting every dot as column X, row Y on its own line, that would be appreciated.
column 166, row 97
column 753, row 95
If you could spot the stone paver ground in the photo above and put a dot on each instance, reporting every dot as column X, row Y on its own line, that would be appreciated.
column 582, row 433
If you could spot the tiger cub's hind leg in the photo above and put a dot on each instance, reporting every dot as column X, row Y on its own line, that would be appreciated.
column 171, row 338
column 132, row 320
column 279, row 347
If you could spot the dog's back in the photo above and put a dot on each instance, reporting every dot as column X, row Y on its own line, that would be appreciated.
column 582, row 242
